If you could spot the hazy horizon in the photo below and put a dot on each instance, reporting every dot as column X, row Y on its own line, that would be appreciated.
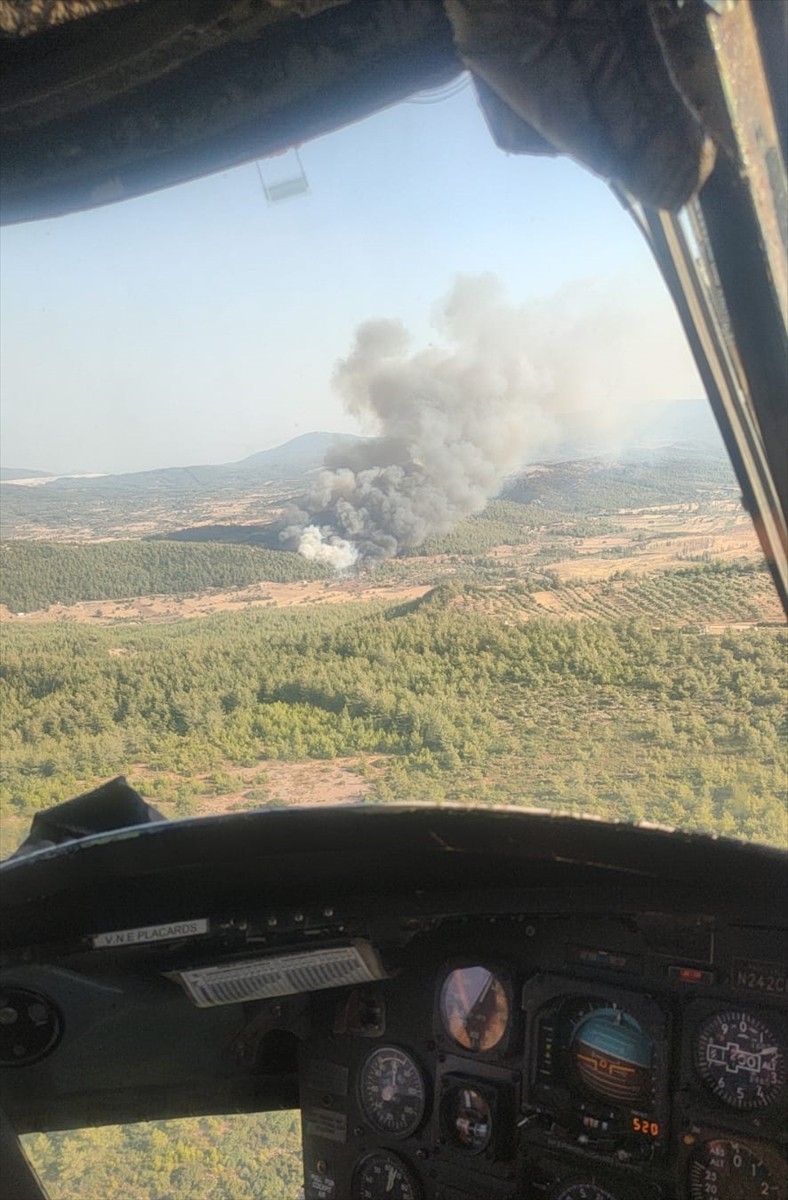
column 702, row 428
column 197, row 325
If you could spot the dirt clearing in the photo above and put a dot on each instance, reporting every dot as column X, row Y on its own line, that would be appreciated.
column 258, row 595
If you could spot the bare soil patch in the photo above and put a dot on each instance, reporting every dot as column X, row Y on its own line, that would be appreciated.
column 314, row 782
column 555, row 603
column 257, row 595
column 692, row 542
column 268, row 784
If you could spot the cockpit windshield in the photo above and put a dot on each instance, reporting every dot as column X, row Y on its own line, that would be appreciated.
column 401, row 486
column 377, row 471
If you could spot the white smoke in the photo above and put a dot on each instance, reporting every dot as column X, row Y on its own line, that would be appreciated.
column 452, row 421
column 336, row 551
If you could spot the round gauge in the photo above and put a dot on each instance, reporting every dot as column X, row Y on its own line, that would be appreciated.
column 727, row 1170
column 611, row 1054
column 392, row 1092
column 30, row 1027
column 739, row 1058
column 474, row 1008
column 385, row 1176
column 467, row 1120
column 581, row 1190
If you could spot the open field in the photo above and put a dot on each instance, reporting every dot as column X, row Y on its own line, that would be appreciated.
column 669, row 538
column 136, row 609
column 89, row 515
column 231, row 788
column 276, row 784
column 506, row 544
column 655, row 540
column 686, row 596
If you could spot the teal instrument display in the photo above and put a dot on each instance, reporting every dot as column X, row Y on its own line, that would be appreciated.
column 612, row 1055
column 596, row 1073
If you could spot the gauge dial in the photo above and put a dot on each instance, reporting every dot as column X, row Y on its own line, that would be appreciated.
column 392, row 1091
column 474, row 1008
column 580, row 1190
column 385, row 1176
column 728, row 1170
column 740, row 1059
column 30, row 1027
column 611, row 1054
column 467, row 1120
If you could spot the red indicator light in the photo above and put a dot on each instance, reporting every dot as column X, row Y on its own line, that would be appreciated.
column 690, row 975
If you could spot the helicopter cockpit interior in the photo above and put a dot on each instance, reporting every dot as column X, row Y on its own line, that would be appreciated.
column 463, row 1002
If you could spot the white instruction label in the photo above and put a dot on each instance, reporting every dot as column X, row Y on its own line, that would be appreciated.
column 150, row 933
column 282, row 975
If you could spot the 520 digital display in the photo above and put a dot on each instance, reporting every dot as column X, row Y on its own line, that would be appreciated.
column 646, row 1128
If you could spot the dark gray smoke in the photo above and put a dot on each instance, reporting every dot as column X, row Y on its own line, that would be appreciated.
column 453, row 422
column 506, row 383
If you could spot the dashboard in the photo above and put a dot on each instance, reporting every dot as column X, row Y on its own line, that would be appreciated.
column 463, row 1004
column 554, row 1057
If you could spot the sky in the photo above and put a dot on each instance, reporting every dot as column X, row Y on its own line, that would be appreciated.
column 201, row 324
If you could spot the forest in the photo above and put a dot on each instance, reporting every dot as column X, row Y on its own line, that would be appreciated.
column 509, row 523
column 433, row 700
column 236, row 1157
column 37, row 574
column 506, row 542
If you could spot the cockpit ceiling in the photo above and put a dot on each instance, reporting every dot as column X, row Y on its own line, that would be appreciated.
column 106, row 99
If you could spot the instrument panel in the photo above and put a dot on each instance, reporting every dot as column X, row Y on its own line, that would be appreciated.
column 464, row 1005
column 540, row 1064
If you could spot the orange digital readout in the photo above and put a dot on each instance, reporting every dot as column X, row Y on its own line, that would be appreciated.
column 648, row 1128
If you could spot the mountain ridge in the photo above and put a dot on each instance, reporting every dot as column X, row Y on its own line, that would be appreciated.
column 8, row 474
column 679, row 428
column 291, row 460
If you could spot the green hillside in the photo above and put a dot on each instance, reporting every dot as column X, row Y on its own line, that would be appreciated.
column 37, row 574
column 596, row 486
column 694, row 596
column 444, row 703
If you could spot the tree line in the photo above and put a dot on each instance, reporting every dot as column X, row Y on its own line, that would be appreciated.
column 509, row 523
column 36, row 574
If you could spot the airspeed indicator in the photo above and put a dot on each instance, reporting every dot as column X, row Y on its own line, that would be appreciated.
column 392, row 1092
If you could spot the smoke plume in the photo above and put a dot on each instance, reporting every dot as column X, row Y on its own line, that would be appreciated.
column 452, row 423
column 454, row 419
